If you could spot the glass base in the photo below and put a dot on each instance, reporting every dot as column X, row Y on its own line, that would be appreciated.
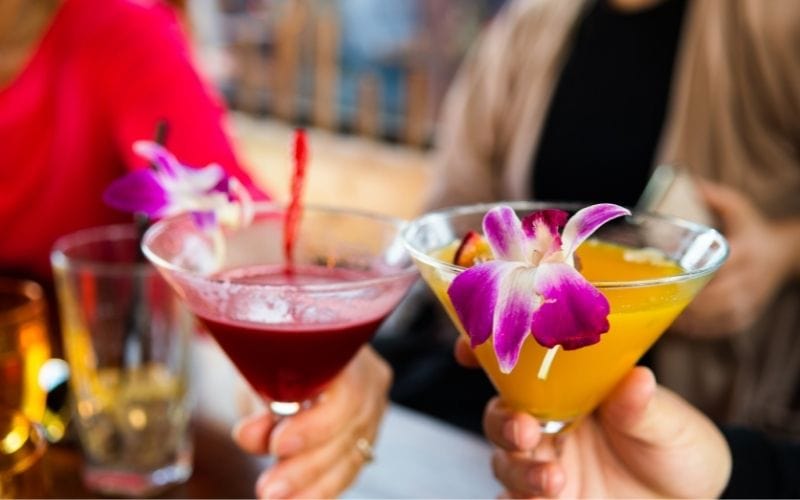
column 555, row 426
column 289, row 408
column 114, row 481
column 284, row 409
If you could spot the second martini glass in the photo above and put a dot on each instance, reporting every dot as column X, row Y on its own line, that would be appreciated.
column 648, row 267
column 288, row 330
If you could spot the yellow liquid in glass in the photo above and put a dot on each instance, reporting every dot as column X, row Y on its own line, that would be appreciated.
column 24, row 348
column 579, row 379
column 132, row 418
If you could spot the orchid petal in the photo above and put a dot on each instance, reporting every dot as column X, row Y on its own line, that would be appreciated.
column 201, row 180
column 158, row 156
column 474, row 293
column 504, row 233
column 586, row 221
column 514, row 312
column 176, row 176
column 204, row 220
column 182, row 201
column 224, row 186
column 541, row 228
column 138, row 191
column 573, row 313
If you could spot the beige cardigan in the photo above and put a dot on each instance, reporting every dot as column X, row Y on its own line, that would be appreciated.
column 733, row 117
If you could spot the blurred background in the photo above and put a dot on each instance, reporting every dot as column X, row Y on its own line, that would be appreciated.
column 368, row 67
column 368, row 76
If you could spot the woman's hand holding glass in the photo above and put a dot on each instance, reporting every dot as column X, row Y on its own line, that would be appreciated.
column 321, row 450
column 643, row 441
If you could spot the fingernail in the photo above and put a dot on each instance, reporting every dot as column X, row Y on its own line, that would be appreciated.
column 520, row 435
column 244, row 432
column 538, row 480
column 237, row 433
column 511, row 431
column 271, row 489
column 526, row 436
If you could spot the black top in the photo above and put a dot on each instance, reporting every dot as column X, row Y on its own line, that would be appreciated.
column 605, row 119
column 762, row 467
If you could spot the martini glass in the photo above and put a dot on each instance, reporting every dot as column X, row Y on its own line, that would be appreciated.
column 288, row 329
column 649, row 267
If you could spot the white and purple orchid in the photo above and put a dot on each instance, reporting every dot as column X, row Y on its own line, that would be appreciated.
column 170, row 188
column 531, row 286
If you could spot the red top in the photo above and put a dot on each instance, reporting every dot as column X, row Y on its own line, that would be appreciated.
column 104, row 74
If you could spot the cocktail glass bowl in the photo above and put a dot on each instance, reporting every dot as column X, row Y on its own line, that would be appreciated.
column 289, row 332
column 643, row 302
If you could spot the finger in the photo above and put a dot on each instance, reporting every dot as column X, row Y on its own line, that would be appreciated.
column 711, row 303
column 301, row 472
column 337, row 478
column 731, row 206
column 252, row 433
column 548, row 449
column 724, row 307
column 524, row 477
column 508, row 429
column 715, row 294
column 362, row 386
column 464, row 355
column 326, row 418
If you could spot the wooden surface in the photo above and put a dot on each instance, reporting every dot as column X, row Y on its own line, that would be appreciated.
column 221, row 470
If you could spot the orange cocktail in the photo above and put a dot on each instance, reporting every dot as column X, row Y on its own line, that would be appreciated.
column 638, row 316
column 647, row 285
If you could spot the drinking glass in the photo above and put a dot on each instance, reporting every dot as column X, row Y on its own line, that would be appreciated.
column 22, row 449
column 24, row 349
column 649, row 267
column 24, row 346
column 288, row 329
column 126, row 340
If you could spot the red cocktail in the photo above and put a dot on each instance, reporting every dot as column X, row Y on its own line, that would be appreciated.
column 288, row 329
column 299, row 358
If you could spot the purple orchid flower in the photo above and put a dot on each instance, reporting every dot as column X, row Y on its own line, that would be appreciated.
column 170, row 188
column 532, row 286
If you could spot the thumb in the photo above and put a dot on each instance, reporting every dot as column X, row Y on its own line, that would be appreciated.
column 639, row 410
column 660, row 437
column 629, row 409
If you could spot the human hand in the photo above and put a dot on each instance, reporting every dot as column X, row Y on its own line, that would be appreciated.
column 643, row 441
column 761, row 259
column 317, row 452
column 464, row 354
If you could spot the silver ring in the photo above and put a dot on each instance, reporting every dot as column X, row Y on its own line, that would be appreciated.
column 365, row 449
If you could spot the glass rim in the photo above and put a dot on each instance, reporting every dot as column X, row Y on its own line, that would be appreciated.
column 32, row 447
column 449, row 212
column 275, row 207
column 33, row 305
column 60, row 258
